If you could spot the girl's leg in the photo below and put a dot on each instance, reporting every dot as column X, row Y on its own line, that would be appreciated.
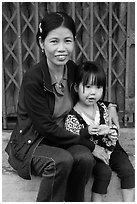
column 54, row 165
column 80, row 174
column 128, row 195
column 102, row 175
column 121, row 164
column 96, row 197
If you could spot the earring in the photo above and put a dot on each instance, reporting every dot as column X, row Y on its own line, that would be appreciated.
column 42, row 50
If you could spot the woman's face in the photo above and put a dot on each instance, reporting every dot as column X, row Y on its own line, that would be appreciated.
column 58, row 46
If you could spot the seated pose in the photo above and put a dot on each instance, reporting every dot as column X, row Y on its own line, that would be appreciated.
column 39, row 143
column 92, row 112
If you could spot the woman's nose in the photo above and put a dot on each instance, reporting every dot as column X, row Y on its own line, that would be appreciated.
column 61, row 47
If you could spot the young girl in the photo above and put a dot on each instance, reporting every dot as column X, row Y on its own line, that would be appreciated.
column 92, row 112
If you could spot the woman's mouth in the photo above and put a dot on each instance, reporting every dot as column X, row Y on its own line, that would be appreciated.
column 61, row 57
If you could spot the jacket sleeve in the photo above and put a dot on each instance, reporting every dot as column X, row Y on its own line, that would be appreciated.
column 39, row 113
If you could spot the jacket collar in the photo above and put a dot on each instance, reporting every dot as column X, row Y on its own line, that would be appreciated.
column 46, row 74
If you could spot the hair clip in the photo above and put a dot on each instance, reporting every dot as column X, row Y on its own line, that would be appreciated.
column 40, row 28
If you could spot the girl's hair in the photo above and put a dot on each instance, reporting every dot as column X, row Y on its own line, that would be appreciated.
column 52, row 21
column 91, row 72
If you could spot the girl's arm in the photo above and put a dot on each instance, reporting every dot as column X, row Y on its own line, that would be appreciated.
column 113, row 116
column 73, row 125
column 112, row 111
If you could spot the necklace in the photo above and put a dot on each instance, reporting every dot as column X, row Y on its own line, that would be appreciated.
column 57, row 76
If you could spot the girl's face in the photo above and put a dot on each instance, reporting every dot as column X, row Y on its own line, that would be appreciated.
column 89, row 94
column 58, row 46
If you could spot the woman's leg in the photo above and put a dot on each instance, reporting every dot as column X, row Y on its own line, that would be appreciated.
column 80, row 174
column 120, row 163
column 102, row 175
column 54, row 165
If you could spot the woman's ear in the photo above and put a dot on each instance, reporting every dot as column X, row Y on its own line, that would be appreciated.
column 76, row 87
column 41, row 43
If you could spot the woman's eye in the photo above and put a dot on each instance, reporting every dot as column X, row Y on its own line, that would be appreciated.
column 68, row 41
column 54, row 41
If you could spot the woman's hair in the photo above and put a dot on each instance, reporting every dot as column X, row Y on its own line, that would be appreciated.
column 52, row 21
column 91, row 72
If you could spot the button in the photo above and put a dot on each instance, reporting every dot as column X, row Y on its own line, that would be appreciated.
column 20, row 131
column 29, row 141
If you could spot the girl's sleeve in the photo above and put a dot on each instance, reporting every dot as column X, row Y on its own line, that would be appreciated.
column 73, row 125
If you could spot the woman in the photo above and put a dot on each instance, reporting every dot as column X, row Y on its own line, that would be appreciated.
column 39, row 144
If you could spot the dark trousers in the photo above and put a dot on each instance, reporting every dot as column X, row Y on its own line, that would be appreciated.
column 120, row 163
column 64, row 172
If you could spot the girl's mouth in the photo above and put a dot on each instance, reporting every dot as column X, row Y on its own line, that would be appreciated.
column 91, row 99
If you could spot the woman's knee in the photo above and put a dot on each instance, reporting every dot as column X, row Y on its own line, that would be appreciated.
column 60, row 162
column 65, row 161
column 82, row 155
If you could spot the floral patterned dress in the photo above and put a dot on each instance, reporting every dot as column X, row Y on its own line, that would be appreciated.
column 74, row 122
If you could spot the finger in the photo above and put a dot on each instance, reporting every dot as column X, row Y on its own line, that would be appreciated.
column 105, row 157
column 105, row 160
column 115, row 120
column 110, row 121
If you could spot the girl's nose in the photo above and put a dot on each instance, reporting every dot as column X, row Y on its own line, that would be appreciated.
column 93, row 90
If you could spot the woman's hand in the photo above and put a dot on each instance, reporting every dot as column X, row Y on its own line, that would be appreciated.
column 100, row 153
column 113, row 116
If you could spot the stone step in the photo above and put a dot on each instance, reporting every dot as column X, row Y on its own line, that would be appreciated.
column 27, row 190
column 16, row 189
column 114, row 189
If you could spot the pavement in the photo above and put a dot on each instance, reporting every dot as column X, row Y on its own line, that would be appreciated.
column 16, row 189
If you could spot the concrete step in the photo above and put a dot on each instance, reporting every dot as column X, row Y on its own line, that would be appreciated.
column 16, row 189
column 27, row 190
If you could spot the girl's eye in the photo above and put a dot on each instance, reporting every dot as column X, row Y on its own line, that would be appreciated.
column 99, row 87
column 88, row 86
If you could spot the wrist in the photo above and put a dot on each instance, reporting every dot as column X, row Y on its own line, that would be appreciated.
column 112, row 105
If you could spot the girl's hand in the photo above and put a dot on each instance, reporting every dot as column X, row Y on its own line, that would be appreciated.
column 93, row 129
column 113, row 135
column 101, row 153
column 113, row 116
column 104, row 129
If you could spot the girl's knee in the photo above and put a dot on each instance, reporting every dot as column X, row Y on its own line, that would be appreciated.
column 102, row 171
column 126, row 169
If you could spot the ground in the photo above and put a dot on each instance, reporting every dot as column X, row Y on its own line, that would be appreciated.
column 16, row 189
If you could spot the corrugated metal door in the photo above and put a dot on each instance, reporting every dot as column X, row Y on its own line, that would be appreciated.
column 105, row 32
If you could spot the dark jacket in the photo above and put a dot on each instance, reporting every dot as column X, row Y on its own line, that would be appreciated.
column 34, row 118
